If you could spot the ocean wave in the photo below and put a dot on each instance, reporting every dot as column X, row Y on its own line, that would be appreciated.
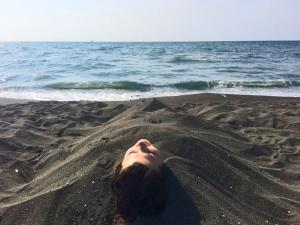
column 189, row 85
column 268, row 84
column 223, row 50
column 291, row 75
column 264, row 68
column 207, row 49
column 253, row 56
column 195, row 85
column 106, row 48
column 189, row 59
column 102, row 65
column 79, row 67
column 42, row 77
column 63, row 47
column 228, row 71
column 180, row 70
column 157, row 51
column 120, row 85
column 120, row 95
column 204, row 85
column 2, row 78
column 297, row 55
column 46, row 53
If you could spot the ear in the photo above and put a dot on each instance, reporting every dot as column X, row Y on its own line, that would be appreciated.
column 118, row 169
column 115, row 176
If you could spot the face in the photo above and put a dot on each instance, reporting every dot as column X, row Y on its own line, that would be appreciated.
column 142, row 152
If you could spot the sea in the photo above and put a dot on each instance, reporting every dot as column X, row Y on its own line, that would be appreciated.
column 100, row 71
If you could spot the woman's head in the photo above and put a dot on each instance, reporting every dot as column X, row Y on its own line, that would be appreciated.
column 139, row 182
column 142, row 152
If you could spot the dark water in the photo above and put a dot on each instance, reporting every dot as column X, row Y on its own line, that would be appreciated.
column 122, row 71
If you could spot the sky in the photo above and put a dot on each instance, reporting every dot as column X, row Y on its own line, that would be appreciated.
column 149, row 20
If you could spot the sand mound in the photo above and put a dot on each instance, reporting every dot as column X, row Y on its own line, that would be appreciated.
column 152, row 105
column 228, row 161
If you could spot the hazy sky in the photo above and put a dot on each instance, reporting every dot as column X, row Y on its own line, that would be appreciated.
column 149, row 20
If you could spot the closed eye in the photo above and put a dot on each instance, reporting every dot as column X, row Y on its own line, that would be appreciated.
column 132, row 152
column 153, row 155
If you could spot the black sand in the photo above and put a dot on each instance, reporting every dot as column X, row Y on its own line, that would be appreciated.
column 231, row 159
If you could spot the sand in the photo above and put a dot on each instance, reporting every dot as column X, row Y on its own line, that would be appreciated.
column 231, row 159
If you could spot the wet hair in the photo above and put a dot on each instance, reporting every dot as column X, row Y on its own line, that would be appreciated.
column 139, row 191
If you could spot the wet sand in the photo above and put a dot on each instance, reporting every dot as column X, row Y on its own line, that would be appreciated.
column 231, row 159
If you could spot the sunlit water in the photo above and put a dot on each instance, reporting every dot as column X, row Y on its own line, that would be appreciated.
column 123, row 71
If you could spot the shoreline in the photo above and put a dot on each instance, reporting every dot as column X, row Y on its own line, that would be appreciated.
column 6, row 101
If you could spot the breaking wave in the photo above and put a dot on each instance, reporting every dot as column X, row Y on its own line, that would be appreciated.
column 189, row 85
column 120, row 85
column 204, row 85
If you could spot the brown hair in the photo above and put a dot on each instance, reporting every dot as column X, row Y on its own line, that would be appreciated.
column 139, row 191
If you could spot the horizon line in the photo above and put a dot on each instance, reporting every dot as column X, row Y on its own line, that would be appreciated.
column 149, row 41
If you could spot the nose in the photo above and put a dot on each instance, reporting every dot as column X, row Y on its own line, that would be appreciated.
column 143, row 147
column 144, row 141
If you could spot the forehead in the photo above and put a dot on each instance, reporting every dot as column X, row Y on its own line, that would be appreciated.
column 148, row 161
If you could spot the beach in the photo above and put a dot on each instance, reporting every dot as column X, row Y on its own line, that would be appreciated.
column 231, row 159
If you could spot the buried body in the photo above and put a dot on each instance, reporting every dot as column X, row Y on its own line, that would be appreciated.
column 204, row 174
